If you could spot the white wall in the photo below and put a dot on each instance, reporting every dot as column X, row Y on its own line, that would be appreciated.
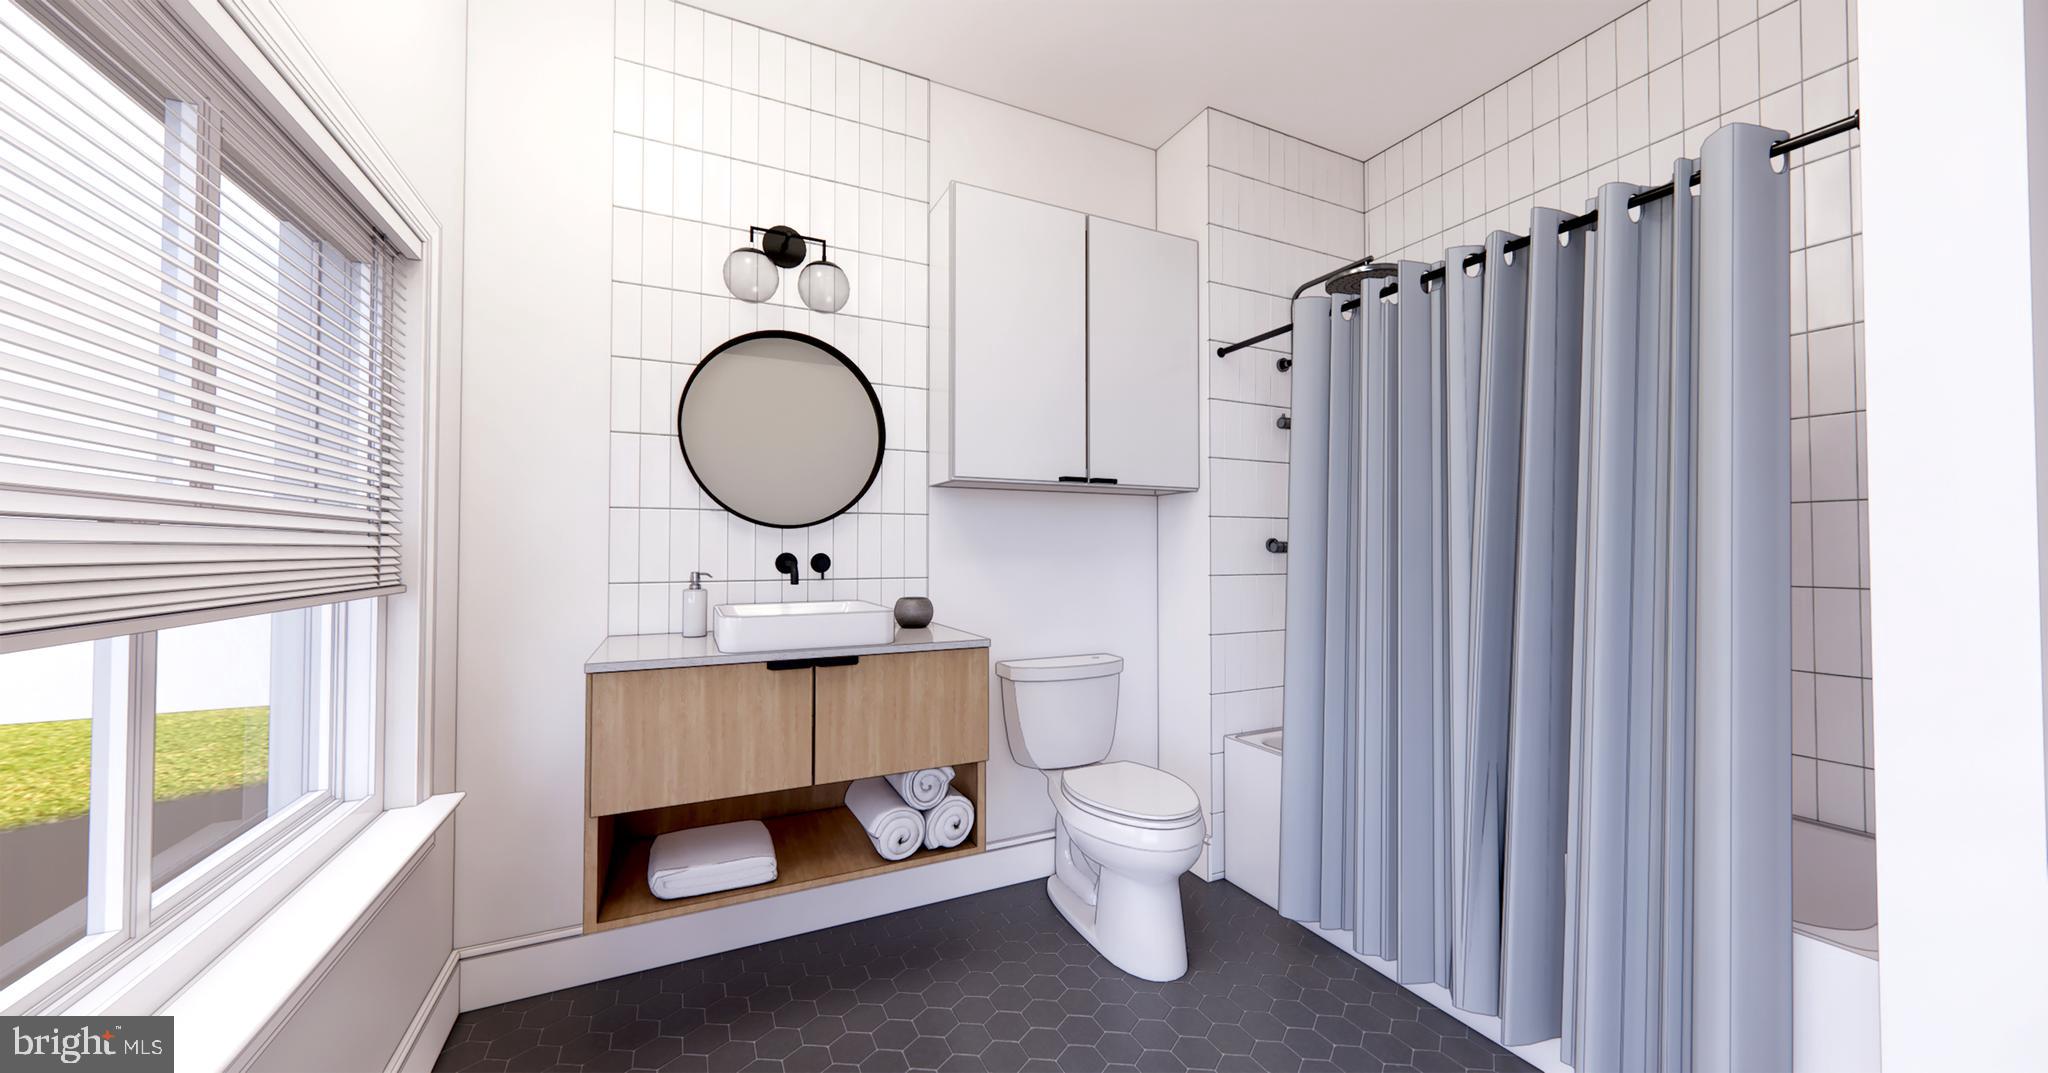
column 1047, row 573
column 1269, row 210
column 987, row 143
column 718, row 127
column 1040, row 574
column 1184, row 591
column 535, row 400
column 1955, row 533
column 357, row 1015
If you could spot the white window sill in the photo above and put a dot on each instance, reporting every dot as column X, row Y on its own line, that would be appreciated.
column 234, row 1005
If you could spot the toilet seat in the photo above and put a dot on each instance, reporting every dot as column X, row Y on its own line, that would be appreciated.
column 1129, row 793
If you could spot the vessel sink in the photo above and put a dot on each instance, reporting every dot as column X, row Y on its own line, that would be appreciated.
column 793, row 626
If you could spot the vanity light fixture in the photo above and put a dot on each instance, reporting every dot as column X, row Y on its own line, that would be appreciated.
column 752, row 274
column 749, row 275
column 823, row 286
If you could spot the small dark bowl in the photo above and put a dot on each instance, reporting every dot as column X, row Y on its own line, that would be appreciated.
column 913, row 612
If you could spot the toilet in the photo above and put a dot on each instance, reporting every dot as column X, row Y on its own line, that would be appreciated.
column 1122, row 832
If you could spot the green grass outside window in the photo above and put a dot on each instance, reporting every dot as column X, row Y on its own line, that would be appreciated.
column 46, row 768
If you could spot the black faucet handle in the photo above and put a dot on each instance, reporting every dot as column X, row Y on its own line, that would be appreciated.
column 785, row 563
column 821, row 562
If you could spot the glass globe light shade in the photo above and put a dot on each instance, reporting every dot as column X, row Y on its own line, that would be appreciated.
column 823, row 286
column 750, row 275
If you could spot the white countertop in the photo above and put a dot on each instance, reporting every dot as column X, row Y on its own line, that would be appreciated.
column 656, row 651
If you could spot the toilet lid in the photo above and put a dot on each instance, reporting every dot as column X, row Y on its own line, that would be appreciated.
column 1123, row 790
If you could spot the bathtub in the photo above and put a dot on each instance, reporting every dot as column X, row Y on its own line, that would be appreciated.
column 1834, row 950
column 1834, row 886
column 1251, row 795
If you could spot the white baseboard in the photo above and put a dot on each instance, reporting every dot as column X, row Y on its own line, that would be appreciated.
column 422, row 1042
column 535, row 968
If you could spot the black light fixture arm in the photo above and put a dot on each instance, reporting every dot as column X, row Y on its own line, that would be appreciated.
column 785, row 247
column 1591, row 219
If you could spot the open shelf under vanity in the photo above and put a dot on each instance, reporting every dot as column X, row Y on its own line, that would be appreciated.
column 692, row 742
column 819, row 843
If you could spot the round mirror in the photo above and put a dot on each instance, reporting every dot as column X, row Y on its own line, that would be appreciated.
column 781, row 429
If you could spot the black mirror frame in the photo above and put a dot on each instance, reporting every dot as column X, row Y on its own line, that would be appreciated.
column 874, row 400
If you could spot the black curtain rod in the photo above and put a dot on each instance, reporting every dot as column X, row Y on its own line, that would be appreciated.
column 1798, row 141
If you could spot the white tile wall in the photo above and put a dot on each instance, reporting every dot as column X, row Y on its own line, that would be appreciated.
column 719, row 125
column 1280, row 211
column 1621, row 103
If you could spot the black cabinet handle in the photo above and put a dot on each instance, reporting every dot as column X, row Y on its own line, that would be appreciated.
column 1276, row 545
column 807, row 664
column 1102, row 480
column 1284, row 364
column 1283, row 421
column 1073, row 480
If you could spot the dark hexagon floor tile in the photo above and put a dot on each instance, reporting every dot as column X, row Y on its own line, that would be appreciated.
column 991, row 983
column 935, row 1022
column 1042, row 1043
column 927, row 1052
column 1117, row 1018
column 974, row 1009
column 894, row 1035
column 886, row 1062
column 1004, row 1055
column 1008, row 1026
column 1197, row 1052
column 657, row 1052
column 968, row 1039
column 1117, row 1047
column 851, row 1047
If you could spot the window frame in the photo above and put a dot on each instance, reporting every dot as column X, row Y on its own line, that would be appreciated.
column 132, row 914
column 382, row 736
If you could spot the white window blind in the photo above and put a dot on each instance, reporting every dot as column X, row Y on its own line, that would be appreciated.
column 199, row 404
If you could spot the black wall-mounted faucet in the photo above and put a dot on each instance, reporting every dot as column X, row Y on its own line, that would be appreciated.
column 785, row 563
column 821, row 562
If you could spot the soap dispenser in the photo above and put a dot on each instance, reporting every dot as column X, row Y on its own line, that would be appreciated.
column 696, row 607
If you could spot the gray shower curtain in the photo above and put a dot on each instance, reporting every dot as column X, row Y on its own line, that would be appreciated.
column 1538, row 678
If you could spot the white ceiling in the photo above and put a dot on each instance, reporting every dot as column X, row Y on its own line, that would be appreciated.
column 1139, row 69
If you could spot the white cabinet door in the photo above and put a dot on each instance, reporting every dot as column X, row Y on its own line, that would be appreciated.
column 1143, row 358
column 1019, row 339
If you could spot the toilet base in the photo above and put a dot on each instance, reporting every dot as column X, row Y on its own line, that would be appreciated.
column 1136, row 926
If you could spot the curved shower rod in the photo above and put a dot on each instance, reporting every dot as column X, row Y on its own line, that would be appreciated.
column 1798, row 141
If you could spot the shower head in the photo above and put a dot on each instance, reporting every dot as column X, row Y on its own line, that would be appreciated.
column 1352, row 280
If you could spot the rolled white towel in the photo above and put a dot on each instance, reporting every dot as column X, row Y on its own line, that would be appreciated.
column 923, row 788
column 948, row 822
column 895, row 828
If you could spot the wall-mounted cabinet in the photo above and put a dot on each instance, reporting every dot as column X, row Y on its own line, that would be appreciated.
column 694, row 738
column 1063, row 349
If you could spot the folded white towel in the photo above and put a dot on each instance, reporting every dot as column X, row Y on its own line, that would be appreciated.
column 923, row 788
column 690, row 884
column 895, row 828
column 704, row 859
column 948, row 822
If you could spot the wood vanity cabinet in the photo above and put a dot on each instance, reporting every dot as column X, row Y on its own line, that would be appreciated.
column 670, row 737
column 901, row 713
column 679, row 747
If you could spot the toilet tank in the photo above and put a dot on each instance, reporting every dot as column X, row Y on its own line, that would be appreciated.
column 1060, row 711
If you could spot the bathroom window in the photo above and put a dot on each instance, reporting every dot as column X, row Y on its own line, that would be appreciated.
column 241, row 733
column 200, row 435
